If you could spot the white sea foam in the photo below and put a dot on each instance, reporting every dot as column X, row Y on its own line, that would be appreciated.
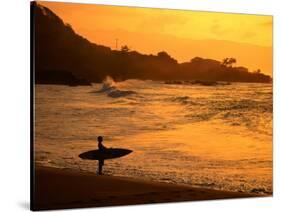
column 111, row 88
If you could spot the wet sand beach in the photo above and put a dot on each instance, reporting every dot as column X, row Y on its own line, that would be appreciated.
column 66, row 188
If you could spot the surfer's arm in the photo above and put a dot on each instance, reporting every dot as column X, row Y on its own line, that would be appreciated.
column 102, row 147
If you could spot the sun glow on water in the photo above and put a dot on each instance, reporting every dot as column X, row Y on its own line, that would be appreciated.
column 208, row 136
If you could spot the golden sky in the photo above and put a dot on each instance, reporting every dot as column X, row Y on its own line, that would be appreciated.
column 183, row 34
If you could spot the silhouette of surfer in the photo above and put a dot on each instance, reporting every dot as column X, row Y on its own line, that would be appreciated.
column 102, row 148
column 103, row 153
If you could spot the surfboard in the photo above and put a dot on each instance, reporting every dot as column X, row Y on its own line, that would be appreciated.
column 105, row 154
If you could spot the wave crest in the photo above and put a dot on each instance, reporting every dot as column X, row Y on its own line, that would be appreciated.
column 110, row 87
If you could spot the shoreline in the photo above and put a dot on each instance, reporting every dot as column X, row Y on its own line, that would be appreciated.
column 57, row 188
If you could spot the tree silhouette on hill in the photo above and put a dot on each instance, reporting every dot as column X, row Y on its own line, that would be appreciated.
column 64, row 57
column 125, row 48
column 228, row 62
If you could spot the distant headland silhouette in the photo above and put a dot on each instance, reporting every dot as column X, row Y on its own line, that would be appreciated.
column 64, row 57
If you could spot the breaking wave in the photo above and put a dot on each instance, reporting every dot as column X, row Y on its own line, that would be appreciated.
column 111, row 88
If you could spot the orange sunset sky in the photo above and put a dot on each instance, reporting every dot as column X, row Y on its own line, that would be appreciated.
column 183, row 34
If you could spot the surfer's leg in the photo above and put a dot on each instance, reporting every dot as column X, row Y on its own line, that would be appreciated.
column 100, row 167
column 102, row 163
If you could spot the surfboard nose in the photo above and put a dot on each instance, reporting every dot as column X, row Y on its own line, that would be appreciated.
column 83, row 156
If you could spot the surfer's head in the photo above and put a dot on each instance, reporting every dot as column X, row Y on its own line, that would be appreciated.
column 100, row 139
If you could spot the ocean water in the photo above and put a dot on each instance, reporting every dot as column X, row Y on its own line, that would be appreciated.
column 206, row 136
